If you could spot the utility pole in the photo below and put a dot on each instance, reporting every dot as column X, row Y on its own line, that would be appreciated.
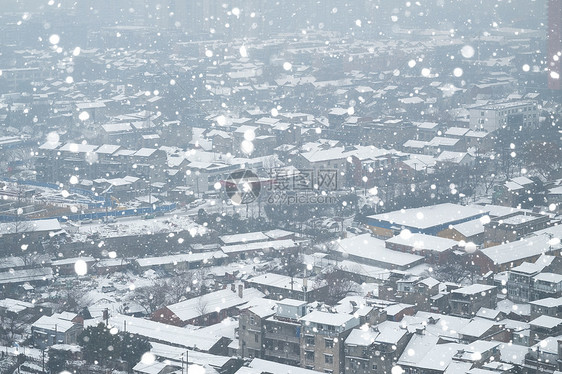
column 304, row 284
column 186, row 362
column 150, row 186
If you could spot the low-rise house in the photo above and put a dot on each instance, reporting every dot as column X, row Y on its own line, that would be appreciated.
column 436, row 250
column 484, row 329
column 32, row 231
column 270, row 247
column 423, row 355
column 544, row 356
column 205, row 310
column 369, row 250
column 414, row 290
column 277, row 286
column 466, row 301
column 469, row 232
column 508, row 255
column 456, row 159
column 519, row 191
column 9, row 281
column 110, row 265
column 397, row 311
column 549, row 306
column 513, row 226
column 544, row 326
column 16, row 309
column 259, row 366
column 547, row 284
column 430, row 220
column 176, row 355
column 181, row 262
column 167, row 334
column 67, row 266
column 47, row 331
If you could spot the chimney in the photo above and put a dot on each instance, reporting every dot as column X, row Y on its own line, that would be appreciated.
column 354, row 306
column 241, row 291
column 233, row 287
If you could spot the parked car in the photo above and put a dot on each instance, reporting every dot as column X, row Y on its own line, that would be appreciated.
column 106, row 289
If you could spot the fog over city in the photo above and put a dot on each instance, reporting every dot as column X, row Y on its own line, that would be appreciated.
column 273, row 187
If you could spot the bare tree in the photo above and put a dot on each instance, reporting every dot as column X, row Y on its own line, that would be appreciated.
column 71, row 300
column 339, row 285
column 11, row 327
column 180, row 287
column 202, row 307
column 152, row 297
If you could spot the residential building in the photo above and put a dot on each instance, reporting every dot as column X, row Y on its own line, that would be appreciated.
column 513, row 226
column 466, row 301
column 548, row 307
column 511, row 114
column 322, row 340
column 278, row 286
column 543, row 327
column 47, row 331
column 520, row 281
column 375, row 349
column 547, row 284
column 207, row 309
column 508, row 255
column 518, row 192
column 282, row 332
column 251, row 330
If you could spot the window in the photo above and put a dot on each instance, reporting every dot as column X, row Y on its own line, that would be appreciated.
column 309, row 355
column 329, row 359
column 309, row 340
column 328, row 343
column 296, row 349
column 256, row 338
column 252, row 320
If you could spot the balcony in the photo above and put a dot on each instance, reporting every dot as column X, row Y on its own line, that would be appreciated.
column 278, row 354
column 282, row 337
column 540, row 365
column 547, row 288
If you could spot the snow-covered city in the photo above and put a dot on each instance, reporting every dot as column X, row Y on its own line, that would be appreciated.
column 290, row 187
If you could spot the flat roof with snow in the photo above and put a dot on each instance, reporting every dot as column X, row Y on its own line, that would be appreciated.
column 370, row 248
column 429, row 218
